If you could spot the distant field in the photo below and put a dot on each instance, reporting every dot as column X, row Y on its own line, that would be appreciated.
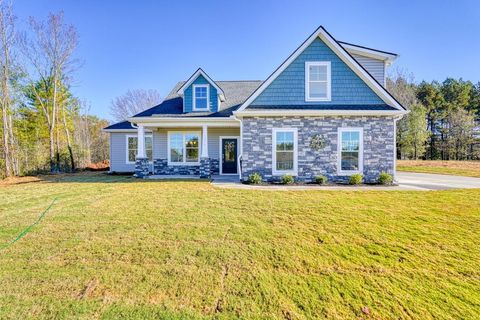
column 458, row 168
column 114, row 247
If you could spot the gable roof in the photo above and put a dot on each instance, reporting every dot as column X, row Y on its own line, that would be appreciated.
column 194, row 76
column 343, row 54
column 351, row 48
column 235, row 93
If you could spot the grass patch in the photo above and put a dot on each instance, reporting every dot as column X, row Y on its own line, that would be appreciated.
column 457, row 168
column 114, row 247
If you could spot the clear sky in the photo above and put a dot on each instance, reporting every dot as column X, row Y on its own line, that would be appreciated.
column 153, row 44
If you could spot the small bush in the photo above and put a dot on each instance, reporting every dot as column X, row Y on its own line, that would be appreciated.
column 355, row 179
column 321, row 179
column 287, row 179
column 255, row 178
column 385, row 178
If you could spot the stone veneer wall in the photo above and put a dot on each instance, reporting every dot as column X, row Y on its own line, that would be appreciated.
column 161, row 167
column 378, row 145
column 142, row 168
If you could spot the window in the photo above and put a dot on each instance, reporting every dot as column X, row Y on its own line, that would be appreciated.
column 317, row 81
column 184, row 147
column 132, row 148
column 284, row 151
column 350, row 146
column 201, row 99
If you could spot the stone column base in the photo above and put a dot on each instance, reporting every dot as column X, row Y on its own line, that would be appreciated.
column 142, row 168
column 205, row 172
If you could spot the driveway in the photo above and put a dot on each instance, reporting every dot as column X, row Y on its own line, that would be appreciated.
column 406, row 181
column 428, row 181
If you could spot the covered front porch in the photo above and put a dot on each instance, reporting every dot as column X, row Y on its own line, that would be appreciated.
column 188, row 149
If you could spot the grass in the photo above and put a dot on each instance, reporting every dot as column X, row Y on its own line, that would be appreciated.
column 115, row 247
column 458, row 168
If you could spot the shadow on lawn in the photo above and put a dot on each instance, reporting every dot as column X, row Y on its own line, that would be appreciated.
column 84, row 177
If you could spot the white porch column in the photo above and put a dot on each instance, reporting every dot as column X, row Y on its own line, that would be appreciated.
column 141, row 141
column 204, row 142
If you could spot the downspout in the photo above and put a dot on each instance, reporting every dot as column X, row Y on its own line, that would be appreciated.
column 395, row 146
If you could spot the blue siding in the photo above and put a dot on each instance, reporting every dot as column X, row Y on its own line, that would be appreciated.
column 289, row 87
column 188, row 99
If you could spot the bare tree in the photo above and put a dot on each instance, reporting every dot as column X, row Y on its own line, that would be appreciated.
column 133, row 102
column 50, row 51
column 7, row 43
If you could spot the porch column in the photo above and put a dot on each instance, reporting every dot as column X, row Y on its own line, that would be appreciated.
column 204, row 142
column 205, row 171
column 141, row 141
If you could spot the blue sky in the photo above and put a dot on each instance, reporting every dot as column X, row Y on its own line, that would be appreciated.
column 153, row 44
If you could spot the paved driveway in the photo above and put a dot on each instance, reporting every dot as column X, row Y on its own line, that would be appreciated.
column 428, row 181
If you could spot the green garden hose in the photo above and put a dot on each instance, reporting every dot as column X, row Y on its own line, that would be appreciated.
column 27, row 230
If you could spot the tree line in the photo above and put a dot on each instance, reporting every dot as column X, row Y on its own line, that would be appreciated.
column 444, row 118
column 43, row 126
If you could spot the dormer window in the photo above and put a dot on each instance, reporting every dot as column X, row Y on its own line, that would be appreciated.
column 201, row 100
column 317, row 81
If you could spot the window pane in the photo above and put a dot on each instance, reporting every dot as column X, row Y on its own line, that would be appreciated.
column 131, row 155
column 149, row 154
column 176, row 147
column 284, row 141
column 349, row 160
column 318, row 73
column 148, row 143
column 350, row 141
column 191, row 140
column 132, row 142
column 201, row 92
column 318, row 89
column 192, row 155
column 285, row 160
column 201, row 103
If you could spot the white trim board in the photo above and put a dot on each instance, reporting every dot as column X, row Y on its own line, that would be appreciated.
column 343, row 55
column 220, row 153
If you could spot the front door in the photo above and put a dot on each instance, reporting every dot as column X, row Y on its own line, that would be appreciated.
column 229, row 155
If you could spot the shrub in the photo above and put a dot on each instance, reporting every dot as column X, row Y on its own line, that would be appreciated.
column 255, row 178
column 287, row 179
column 385, row 178
column 321, row 179
column 355, row 179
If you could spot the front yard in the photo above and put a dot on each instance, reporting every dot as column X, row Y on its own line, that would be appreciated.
column 114, row 247
column 458, row 168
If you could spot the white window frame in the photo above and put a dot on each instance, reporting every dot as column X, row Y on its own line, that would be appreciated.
column 339, row 151
column 195, row 98
column 293, row 172
column 126, row 146
column 184, row 162
column 307, row 80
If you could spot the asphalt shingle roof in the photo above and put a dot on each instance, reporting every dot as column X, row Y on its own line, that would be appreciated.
column 236, row 92
column 120, row 126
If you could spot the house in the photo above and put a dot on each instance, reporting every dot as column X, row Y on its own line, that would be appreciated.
column 324, row 110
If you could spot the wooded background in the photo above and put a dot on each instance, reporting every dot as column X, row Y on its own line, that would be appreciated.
column 45, row 128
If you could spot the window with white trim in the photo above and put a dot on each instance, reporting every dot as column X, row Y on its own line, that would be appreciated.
column 201, row 99
column 183, row 147
column 350, row 150
column 284, row 151
column 132, row 148
column 317, row 81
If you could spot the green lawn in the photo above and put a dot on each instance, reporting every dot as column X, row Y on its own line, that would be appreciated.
column 451, row 167
column 115, row 247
